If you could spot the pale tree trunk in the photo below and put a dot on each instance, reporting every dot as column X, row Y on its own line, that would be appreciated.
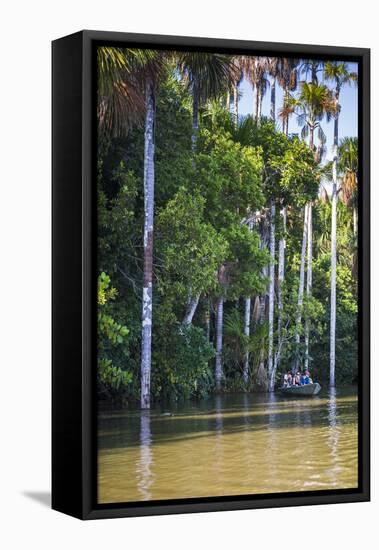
column 235, row 103
column 309, row 283
column 281, row 262
column 262, row 297
column 271, row 374
column 147, row 296
column 191, row 308
column 301, row 285
column 195, row 115
column 257, row 104
column 355, row 221
column 273, row 99
column 219, row 326
column 193, row 301
column 260, row 106
column 247, row 333
column 228, row 101
column 208, row 322
column 333, row 261
column 247, row 328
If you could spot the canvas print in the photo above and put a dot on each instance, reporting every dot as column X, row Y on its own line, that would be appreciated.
column 227, row 274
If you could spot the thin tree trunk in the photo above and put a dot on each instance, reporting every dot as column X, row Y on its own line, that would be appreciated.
column 247, row 334
column 228, row 100
column 235, row 103
column 273, row 99
column 309, row 283
column 147, row 297
column 281, row 263
column 271, row 374
column 195, row 115
column 355, row 221
column 208, row 322
column 301, row 286
column 333, row 260
column 219, row 327
column 193, row 302
column 257, row 104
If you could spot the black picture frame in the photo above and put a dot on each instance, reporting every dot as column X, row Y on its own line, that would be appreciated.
column 74, row 288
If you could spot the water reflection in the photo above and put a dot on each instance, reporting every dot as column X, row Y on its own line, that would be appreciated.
column 229, row 444
column 146, row 458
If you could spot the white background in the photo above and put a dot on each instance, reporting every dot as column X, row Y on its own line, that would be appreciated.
column 26, row 31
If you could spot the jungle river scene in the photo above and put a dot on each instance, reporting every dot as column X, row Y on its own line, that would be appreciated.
column 227, row 274
column 229, row 445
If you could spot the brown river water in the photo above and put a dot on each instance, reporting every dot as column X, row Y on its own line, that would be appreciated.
column 229, row 445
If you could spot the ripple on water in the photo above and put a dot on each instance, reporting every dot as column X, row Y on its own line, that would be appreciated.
column 230, row 445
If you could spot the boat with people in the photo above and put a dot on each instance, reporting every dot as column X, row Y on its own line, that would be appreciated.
column 305, row 390
column 299, row 384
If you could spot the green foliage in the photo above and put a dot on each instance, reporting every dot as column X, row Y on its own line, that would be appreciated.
column 211, row 214
column 181, row 366
column 191, row 250
column 110, row 335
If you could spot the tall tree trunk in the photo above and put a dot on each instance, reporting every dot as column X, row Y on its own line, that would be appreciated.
column 271, row 374
column 208, row 322
column 260, row 105
column 195, row 115
column 147, row 297
column 257, row 104
column 262, row 297
column 311, row 137
column 273, row 99
column 219, row 327
column 192, row 304
column 281, row 262
column 301, row 286
column 193, row 301
column 235, row 103
column 247, row 334
column 309, row 283
column 355, row 221
column 228, row 100
column 333, row 260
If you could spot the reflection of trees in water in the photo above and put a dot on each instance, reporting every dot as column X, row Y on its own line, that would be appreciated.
column 334, row 435
column 144, row 464
column 218, row 416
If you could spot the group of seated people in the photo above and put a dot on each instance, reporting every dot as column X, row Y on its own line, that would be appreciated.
column 297, row 379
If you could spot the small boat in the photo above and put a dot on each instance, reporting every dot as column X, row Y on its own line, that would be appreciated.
column 306, row 390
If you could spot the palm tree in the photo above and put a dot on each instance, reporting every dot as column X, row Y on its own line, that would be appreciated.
column 314, row 103
column 255, row 70
column 312, row 67
column 309, row 282
column 348, row 167
column 301, row 287
column 121, row 77
column 287, row 78
column 340, row 75
column 281, row 262
column 127, row 80
column 271, row 299
column 206, row 76
column 274, row 67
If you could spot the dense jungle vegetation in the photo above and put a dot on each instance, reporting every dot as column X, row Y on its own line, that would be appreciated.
column 227, row 246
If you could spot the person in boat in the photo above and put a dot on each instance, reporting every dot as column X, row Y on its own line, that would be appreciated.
column 307, row 377
column 289, row 378
column 302, row 379
column 297, row 379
